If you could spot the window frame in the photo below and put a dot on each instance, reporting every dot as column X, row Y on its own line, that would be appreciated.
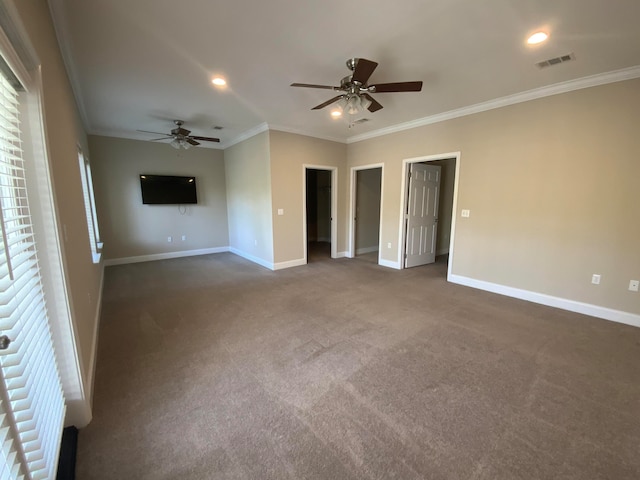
column 89, row 201
column 31, row 390
column 22, row 60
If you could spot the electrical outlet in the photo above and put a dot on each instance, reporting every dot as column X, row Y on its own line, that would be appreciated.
column 169, row 239
column 633, row 285
column 466, row 213
column 389, row 245
column 255, row 243
column 184, row 237
column 595, row 279
column 281, row 211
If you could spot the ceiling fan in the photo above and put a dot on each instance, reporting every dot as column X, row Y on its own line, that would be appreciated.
column 180, row 137
column 355, row 96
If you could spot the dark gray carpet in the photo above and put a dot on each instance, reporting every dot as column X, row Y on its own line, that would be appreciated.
column 214, row 368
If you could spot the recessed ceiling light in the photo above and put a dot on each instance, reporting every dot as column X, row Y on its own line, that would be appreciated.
column 219, row 81
column 537, row 38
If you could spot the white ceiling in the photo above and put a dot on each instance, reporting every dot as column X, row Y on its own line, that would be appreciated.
column 140, row 64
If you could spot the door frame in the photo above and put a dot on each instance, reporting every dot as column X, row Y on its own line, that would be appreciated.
column 334, row 208
column 351, row 249
column 403, row 204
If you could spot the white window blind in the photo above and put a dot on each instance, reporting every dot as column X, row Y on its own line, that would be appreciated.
column 90, row 206
column 31, row 399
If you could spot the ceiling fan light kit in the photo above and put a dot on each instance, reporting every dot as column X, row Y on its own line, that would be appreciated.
column 352, row 105
column 178, row 144
column 355, row 98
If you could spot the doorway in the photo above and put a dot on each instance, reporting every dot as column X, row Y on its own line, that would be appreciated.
column 440, row 238
column 365, row 212
column 319, row 213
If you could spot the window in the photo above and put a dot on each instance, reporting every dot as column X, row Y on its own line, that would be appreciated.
column 31, row 400
column 90, row 206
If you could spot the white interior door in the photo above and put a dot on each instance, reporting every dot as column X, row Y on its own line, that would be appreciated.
column 422, row 214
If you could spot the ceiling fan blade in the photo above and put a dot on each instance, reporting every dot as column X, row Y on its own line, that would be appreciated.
column 192, row 141
column 205, row 139
column 309, row 85
column 328, row 102
column 161, row 138
column 375, row 106
column 155, row 133
column 396, row 87
column 364, row 69
column 180, row 131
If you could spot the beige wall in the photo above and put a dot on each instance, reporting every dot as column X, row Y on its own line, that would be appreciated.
column 64, row 133
column 129, row 228
column 248, row 179
column 552, row 187
column 289, row 155
column 368, row 190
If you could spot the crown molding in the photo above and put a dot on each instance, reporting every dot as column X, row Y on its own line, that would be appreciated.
column 281, row 128
column 555, row 89
column 61, row 28
column 247, row 134
column 134, row 136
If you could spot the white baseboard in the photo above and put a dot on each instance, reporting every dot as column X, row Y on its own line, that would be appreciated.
column 290, row 263
column 164, row 256
column 389, row 264
column 252, row 258
column 361, row 251
column 301, row 261
column 543, row 299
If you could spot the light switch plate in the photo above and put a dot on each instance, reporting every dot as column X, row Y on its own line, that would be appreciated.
column 466, row 213
column 281, row 211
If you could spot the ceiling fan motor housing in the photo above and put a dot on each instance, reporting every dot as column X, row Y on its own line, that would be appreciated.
column 180, row 132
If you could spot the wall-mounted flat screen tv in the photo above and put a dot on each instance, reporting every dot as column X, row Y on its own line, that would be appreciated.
column 168, row 190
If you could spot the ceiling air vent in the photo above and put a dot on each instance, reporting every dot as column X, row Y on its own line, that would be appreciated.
column 556, row 61
column 217, row 127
